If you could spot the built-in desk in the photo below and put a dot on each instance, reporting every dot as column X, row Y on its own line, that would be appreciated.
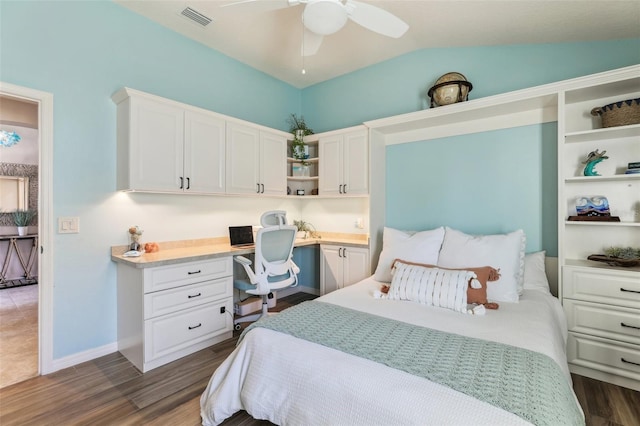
column 180, row 299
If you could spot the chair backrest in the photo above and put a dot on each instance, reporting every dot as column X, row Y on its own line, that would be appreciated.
column 273, row 218
column 274, row 251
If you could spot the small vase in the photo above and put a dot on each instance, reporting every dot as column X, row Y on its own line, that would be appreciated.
column 22, row 230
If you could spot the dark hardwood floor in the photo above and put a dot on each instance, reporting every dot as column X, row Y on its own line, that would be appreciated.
column 110, row 391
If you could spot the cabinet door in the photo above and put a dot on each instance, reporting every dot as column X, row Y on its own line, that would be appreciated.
column 155, row 146
column 356, row 265
column 273, row 164
column 204, row 151
column 330, row 169
column 243, row 159
column 356, row 163
column 331, row 269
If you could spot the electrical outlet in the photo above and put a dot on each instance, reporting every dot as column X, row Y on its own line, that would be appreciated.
column 359, row 223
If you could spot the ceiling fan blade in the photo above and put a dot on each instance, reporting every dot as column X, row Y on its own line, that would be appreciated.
column 375, row 19
column 311, row 43
column 261, row 5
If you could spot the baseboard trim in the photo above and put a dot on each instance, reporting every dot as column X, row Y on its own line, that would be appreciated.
column 80, row 357
column 298, row 289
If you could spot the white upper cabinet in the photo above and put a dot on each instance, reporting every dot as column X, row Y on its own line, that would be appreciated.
column 256, row 161
column 164, row 146
column 204, row 153
column 344, row 163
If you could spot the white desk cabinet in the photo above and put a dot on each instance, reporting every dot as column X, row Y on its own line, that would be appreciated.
column 167, row 312
column 344, row 163
column 256, row 161
column 165, row 146
column 341, row 266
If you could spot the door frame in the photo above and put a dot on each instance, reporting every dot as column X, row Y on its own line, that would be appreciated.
column 45, row 218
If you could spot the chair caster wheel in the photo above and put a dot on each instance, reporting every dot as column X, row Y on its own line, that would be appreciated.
column 237, row 327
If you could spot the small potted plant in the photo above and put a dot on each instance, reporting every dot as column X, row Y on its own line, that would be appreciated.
column 305, row 229
column 22, row 218
column 299, row 129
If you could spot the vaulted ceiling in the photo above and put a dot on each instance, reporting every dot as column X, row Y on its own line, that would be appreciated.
column 267, row 34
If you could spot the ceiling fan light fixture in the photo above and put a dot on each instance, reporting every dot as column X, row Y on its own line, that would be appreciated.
column 324, row 17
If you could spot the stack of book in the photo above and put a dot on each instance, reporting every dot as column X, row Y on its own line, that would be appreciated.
column 633, row 168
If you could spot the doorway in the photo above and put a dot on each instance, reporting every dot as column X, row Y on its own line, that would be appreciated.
column 26, row 331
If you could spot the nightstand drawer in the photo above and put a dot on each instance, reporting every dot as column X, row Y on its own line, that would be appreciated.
column 164, row 277
column 599, row 354
column 610, row 322
column 172, row 300
column 611, row 287
column 171, row 333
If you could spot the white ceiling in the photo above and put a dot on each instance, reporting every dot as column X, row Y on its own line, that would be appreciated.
column 270, row 41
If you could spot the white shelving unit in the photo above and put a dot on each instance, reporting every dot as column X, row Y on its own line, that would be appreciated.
column 601, row 301
column 309, row 181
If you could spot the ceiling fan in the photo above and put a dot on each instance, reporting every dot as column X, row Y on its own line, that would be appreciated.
column 325, row 17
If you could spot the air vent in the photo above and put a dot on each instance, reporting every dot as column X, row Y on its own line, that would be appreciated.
column 196, row 16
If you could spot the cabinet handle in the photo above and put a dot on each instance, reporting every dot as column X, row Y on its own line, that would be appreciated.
column 629, row 291
column 340, row 252
column 340, row 189
column 344, row 252
column 194, row 272
column 262, row 185
column 195, row 326
column 629, row 326
column 257, row 188
column 181, row 182
column 195, row 295
column 188, row 183
column 344, row 188
column 629, row 362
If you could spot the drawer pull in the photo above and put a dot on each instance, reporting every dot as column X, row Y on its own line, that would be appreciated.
column 629, row 291
column 200, row 294
column 194, row 272
column 195, row 326
column 629, row 326
column 629, row 362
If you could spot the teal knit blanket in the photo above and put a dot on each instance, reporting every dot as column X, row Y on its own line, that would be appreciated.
column 526, row 383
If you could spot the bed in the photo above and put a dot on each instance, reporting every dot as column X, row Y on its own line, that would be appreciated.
column 285, row 379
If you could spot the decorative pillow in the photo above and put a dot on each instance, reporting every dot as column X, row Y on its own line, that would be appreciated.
column 535, row 274
column 505, row 252
column 421, row 247
column 475, row 294
column 443, row 288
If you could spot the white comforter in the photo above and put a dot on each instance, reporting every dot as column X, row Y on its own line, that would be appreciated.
column 289, row 381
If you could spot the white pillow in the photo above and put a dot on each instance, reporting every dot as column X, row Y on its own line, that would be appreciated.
column 443, row 288
column 535, row 275
column 419, row 247
column 501, row 251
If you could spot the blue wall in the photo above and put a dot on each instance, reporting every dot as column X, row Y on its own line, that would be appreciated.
column 83, row 52
column 485, row 183
column 400, row 85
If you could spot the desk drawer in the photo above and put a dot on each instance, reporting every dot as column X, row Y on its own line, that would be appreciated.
column 175, row 299
column 170, row 333
column 610, row 287
column 164, row 277
column 602, row 320
column 599, row 354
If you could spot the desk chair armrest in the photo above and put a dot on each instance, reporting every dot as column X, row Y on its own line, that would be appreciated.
column 246, row 263
column 242, row 260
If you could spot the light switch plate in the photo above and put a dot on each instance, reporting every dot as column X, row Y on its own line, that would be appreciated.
column 68, row 225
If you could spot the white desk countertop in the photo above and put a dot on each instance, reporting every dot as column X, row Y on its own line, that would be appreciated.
column 172, row 252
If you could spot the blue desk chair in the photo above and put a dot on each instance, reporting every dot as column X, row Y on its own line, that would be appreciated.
column 274, row 267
